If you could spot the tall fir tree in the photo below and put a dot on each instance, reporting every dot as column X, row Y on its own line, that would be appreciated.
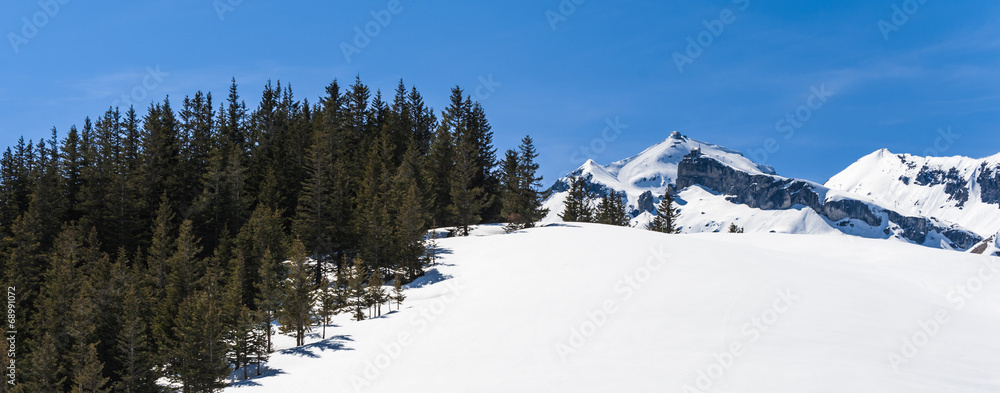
column 666, row 216
column 579, row 204
column 295, row 313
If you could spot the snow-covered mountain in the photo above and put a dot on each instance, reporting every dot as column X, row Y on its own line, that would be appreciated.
column 962, row 190
column 716, row 186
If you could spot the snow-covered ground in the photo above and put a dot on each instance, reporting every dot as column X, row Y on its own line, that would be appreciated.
column 593, row 308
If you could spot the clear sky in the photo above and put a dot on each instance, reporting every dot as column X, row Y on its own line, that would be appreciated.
column 817, row 83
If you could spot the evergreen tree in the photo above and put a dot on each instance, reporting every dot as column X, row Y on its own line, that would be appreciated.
column 612, row 210
column 397, row 290
column 296, row 307
column 733, row 228
column 239, row 319
column 199, row 362
column 579, row 203
column 467, row 200
column 136, row 373
column 269, row 293
column 666, row 216
column 522, row 202
column 326, row 296
column 357, row 295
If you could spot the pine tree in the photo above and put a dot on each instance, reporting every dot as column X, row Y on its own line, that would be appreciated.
column 397, row 290
column 467, row 199
column 269, row 293
column 579, row 203
column 296, row 307
column 199, row 354
column 666, row 216
column 376, row 293
column 132, row 343
column 612, row 210
column 357, row 295
column 522, row 202
column 733, row 228
column 87, row 376
column 43, row 371
column 329, row 305
column 239, row 319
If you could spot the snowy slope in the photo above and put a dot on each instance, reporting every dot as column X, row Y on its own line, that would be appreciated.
column 592, row 308
column 957, row 189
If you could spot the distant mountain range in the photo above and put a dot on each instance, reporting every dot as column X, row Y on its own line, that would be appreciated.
column 942, row 202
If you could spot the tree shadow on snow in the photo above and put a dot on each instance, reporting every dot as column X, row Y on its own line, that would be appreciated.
column 430, row 277
column 237, row 381
column 334, row 343
column 559, row 224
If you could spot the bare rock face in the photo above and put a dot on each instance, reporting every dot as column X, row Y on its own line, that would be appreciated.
column 989, row 184
column 645, row 204
column 770, row 192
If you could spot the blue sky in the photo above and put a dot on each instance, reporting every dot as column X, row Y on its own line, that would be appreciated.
column 902, row 83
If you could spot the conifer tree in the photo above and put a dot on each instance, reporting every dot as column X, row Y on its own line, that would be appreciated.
column 666, row 216
column 87, row 376
column 579, row 203
column 136, row 372
column 326, row 296
column 376, row 293
column 397, row 290
column 733, row 228
column 467, row 199
column 296, row 307
column 357, row 295
column 612, row 209
column 269, row 293
column 239, row 319
column 199, row 362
